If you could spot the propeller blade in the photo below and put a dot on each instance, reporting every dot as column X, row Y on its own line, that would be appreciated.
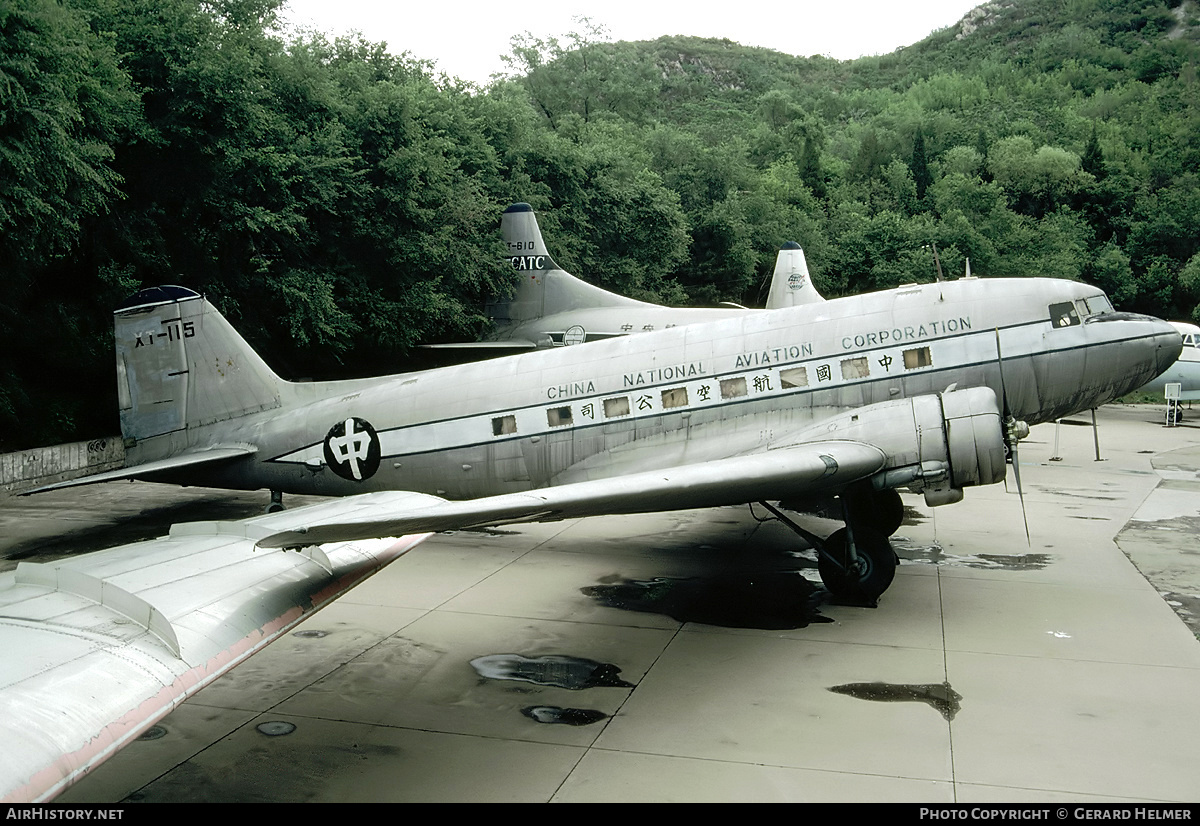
column 1014, row 431
column 1003, row 386
column 1020, row 492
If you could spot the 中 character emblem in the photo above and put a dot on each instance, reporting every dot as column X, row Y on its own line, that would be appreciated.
column 352, row 449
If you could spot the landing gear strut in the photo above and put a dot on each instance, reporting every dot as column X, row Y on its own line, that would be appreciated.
column 857, row 562
column 276, row 502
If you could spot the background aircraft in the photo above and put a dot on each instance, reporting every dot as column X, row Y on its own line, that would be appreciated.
column 552, row 308
column 1186, row 370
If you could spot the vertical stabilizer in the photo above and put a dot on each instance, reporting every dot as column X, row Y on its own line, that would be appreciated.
column 544, row 288
column 180, row 365
column 791, row 285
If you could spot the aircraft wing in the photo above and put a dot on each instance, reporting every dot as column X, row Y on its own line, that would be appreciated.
column 183, row 460
column 99, row 647
column 794, row 471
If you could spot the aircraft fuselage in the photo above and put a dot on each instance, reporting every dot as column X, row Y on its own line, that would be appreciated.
column 693, row 393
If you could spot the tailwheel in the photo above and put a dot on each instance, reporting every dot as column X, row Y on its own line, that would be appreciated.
column 862, row 576
column 276, row 504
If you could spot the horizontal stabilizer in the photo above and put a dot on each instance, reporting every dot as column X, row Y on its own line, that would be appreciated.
column 150, row 469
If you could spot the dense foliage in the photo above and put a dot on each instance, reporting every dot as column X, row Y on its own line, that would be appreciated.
column 341, row 204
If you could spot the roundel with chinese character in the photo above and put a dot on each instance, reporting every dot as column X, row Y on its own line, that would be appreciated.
column 352, row 449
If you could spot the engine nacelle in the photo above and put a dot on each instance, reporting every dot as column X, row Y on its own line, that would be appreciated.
column 936, row 444
column 962, row 444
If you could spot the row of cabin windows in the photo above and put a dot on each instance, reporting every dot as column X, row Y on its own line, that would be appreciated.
column 854, row 368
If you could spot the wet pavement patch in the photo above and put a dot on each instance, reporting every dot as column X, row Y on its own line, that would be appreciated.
column 275, row 728
column 563, row 716
column 934, row 555
column 766, row 600
column 940, row 696
column 574, row 673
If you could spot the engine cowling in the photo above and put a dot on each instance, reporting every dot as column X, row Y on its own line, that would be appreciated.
column 975, row 443
column 936, row 444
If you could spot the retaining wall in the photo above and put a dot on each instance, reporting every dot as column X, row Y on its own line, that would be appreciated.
column 46, row 465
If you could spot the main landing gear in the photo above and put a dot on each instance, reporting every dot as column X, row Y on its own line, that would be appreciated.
column 857, row 563
column 276, row 502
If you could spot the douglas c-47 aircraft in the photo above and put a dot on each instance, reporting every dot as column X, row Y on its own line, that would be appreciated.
column 853, row 397
column 922, row 387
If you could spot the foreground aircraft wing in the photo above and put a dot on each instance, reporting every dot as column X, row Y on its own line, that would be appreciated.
column 797, row 471
column 147, row 469
column 98, row 647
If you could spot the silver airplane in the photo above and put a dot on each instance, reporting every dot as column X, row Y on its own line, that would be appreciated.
column 1185, row 371
column 851, row 398
column 552, row 308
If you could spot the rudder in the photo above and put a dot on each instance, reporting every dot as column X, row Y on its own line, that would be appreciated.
column 181, row 365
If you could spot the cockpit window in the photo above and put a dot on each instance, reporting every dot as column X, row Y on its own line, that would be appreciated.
column 1064, row 314
column 1093, row 305
column 1191, row 341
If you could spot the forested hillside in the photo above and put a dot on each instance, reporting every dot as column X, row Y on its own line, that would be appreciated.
column 341, row 204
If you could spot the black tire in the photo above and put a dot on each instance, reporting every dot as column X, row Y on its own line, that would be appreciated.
column 875, row 569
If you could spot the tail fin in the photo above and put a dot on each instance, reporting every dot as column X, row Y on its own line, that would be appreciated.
column 545, row 288
column 791, row 285
column 181, row 365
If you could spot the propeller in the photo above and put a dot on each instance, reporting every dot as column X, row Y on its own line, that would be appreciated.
column 1014, row 431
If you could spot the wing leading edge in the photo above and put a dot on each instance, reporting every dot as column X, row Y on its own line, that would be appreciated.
column 798, row 471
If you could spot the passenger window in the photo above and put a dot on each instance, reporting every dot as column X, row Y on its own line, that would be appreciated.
column 502, row 425
column 794, row 377
column 920, row 357
column 733, row 388
column 558, row 416
column 616, row 407
column 675, row 397
column 1064, row 314
column 856, row 368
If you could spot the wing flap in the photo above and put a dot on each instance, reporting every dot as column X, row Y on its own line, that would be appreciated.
column 101, row 646
column 791, row 472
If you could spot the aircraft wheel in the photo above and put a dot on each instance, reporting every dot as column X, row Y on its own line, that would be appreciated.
column 881, row 510
column 866, row 578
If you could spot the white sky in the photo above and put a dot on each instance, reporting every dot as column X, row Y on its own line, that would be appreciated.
column 467, row 37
